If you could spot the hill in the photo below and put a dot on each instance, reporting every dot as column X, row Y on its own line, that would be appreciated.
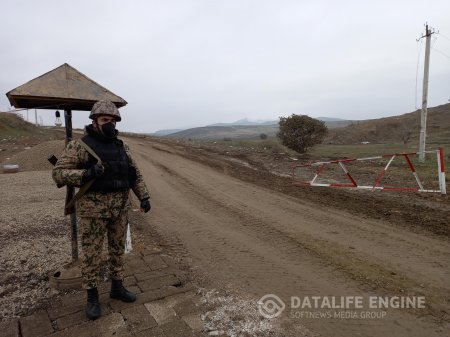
column 403, row 128
column 222, row 132
column 12, row 125
column 165, row 132
column 205, row 132
column 395, row 129
column 17, row 134
column 250, row 130
column 245, row 121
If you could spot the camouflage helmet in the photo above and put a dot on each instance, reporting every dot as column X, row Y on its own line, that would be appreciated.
column 105, row 108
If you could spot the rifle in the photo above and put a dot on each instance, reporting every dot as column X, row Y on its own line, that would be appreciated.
column 69, row 192
column 70, row 197
column 52, row 159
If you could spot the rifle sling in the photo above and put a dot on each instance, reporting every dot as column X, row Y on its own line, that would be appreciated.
column 83, row 189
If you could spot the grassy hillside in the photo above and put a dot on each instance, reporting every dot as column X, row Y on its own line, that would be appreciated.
column 396, row 129
column 402, row 129
column 17, row 134
column 13, row 127
column 222, row 132
column 239, row 132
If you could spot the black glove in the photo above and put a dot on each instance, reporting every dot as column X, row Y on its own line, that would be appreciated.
column 145, row 205
column 93, row 172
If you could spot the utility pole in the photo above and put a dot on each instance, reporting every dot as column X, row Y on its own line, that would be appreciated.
column 423, row 115
column 35, row 117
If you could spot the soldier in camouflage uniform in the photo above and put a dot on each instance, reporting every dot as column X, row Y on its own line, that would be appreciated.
column 103, row 208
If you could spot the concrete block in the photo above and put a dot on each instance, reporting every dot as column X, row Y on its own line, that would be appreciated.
column 155, row 262
column 194, row 322
column 129, row 281
column 68, row 306
column 149, row 296
column 161, row 311
column 142, row 298
column 178, row 328
column 134, row 289
column 186, row 307
column 155, row 332
column 153, row 251
column 178, row 298
column 159, row 282
column 36, row 325
column 105, row 326
column 153, row 273
column 138, row 318
column 134, row 265
column 10, row 328
column 169, row 261
column 79, row 317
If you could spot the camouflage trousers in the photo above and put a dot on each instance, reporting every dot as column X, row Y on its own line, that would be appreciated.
column 93, row 232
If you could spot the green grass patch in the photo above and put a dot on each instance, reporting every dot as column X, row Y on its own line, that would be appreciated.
column 13, row 127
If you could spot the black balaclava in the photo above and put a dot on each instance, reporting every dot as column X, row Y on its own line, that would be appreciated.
column 108, row 130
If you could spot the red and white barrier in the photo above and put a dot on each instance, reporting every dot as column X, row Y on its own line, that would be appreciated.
column 441, row 170
column 353, row 184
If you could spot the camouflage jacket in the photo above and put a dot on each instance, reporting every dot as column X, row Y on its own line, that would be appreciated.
column 94, row 204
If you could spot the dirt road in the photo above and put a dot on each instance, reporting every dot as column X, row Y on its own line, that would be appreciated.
column 260, row 241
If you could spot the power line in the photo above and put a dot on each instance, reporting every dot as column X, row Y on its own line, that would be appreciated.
column 433, row 43
column 445, row 37
column 58, row 106
column 441, row 52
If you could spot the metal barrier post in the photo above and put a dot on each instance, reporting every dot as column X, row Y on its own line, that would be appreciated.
column 441, row 170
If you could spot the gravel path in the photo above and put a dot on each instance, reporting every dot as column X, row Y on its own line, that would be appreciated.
column 34, row 239
column 35, row 158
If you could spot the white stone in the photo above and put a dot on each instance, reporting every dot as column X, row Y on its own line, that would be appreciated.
column 160, row 311
column 194, row 322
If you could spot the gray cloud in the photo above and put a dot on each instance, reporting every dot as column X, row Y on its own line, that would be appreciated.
column 183, row 63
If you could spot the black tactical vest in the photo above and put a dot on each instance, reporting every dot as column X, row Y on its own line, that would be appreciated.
column 119, row 174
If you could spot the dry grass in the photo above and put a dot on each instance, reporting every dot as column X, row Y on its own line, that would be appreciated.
column 13, row 127
column 393, row 129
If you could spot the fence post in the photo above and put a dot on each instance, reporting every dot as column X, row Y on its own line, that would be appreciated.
column 441, row 171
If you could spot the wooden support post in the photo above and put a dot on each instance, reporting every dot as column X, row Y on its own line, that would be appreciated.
column 71, row 190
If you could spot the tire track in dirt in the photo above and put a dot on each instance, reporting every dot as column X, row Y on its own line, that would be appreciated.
column 241, row 243
column 338, row 230
column 356, row 265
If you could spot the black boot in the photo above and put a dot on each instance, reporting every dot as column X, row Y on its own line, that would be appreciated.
column 93, row 310
column 119, row 292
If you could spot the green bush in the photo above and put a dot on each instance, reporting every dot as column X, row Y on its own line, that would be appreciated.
column 300, row 132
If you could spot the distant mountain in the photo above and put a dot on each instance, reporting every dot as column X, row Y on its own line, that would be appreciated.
column 165, row 132
column 331, row 119
column 243, row 129
column 382, row 130
column 245, row 121
column 331, row 122
column 230, row 131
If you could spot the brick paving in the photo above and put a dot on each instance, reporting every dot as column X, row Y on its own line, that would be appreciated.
column 166, row 306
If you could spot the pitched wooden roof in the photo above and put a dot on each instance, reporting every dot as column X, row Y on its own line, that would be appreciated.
column 62, row 87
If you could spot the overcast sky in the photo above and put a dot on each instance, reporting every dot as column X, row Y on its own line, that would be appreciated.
column 182, row 63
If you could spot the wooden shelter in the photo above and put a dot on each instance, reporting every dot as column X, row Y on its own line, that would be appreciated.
column 61, row 88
